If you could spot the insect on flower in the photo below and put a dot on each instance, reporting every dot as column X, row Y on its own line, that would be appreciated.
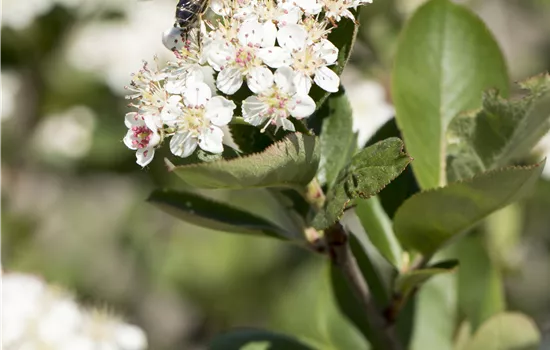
column 188, row 12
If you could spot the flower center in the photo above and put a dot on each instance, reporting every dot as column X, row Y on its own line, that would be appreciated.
column 307, row 61
column 246, row 58
column 193, row 120
column 141, row 136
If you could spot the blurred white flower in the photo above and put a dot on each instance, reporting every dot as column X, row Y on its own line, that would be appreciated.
column 11, row 85
column 543, row 147
column 368, row 103
column 115, row 49
column 68, row 134
column 20, row 14
column 38, row 316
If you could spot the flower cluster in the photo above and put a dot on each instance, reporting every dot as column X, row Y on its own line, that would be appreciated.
column 38, row 316
column 271, row 50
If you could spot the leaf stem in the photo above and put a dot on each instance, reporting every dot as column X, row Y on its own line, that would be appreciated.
column 342, row 257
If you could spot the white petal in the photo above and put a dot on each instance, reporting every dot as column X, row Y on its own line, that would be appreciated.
column 144, row 156
column 302, row 82
column 259, row 79
column 219, row 7
column 211, row 140
column 327, row 79
column 301, row 106
column 285, row 124
column 128, row 140
column 229, row 80
column 275, row 56
column 253, row 109
column 269, row 34
column 219, row 110
column 133, row 119
column 311, row 7
column 291, row 14
column 284, row 79
column 183, row 144
column 197, row 94
column 327, row 51
column 292, row 37
column 219, row 53
column 172, row 109
column 250, row 32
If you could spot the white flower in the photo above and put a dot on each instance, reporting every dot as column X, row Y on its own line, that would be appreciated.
column 143, row 136
column 277, row 102
column 246, row 58
column 336, row 9
column 310, row 60
column 196, row 120
column 38, row 316
column 368, row 102
column 310, row 7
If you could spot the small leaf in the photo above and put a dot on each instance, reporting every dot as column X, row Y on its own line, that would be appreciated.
column 255, row 339
column 408, row 281
column 405, row 185
column 429, row 219
column 499, row 132
column 506, row 331
column 379, row 228
column 338, row 143
column 368, row 172
column 211, row 214
column 445, row 59
column 292, row 162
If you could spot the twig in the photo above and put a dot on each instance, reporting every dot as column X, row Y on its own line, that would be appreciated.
column 341, row 255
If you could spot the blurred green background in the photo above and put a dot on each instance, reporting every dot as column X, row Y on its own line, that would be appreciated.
column 73, row 199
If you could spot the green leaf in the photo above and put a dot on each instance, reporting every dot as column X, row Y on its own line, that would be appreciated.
column 211, row 214
column 343, row 37
column 379, row 228
column 308, row 310
column 499, row 132
column 435, row 314
column 506, row 331
column 405, row 185
column 408, row 281
column 255, row 339
column 480, row 283
column 445, row 59
column 429, row 219
column 338, row 142
column 368, row 172
column 292, row 162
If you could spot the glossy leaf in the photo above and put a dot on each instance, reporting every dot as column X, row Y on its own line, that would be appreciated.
column 368, row 172
column 309, row 311
column 506, row 331
column 211, row 214
column 337, row 139
column 445, row 59
column 499, row 132
column 480, row 282
column 292, row 162
column 428, row 220
column 378, row 227
column 255, row 339
column 407, row 282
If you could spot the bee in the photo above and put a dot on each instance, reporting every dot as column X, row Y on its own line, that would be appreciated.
column 188, row 12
